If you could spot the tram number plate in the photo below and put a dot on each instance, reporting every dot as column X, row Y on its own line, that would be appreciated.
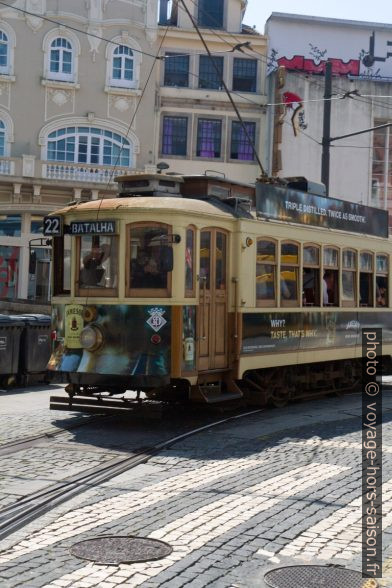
column 53, row 226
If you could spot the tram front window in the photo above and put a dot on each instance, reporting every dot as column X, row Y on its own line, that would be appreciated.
column 98, row 262
column 151, row 258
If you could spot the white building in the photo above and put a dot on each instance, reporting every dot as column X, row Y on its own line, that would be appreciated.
column 361, row 56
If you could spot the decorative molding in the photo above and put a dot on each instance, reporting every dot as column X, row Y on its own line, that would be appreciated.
column 60, row 97
column 94, row 42
column 38, row 7
column 60, row 85
column 121, row 103
column 28, row 166
column 114, row 91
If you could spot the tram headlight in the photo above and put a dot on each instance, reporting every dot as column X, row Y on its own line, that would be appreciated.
column 91, row 338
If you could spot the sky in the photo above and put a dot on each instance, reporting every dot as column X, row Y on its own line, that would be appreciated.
column 258, row 11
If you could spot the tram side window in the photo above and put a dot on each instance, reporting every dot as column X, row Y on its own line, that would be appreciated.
column 151, row 258
column 349, row 277
column 266, row 273
column 289, row 271
column 366, row 279
column 311, row 276
column 190, row 263
column 331, row 277
column 98, row 262
column 382, row 281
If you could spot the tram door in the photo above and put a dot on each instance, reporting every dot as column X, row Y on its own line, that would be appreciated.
column 213, row 319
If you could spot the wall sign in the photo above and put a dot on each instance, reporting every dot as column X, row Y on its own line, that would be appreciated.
column 285, row 204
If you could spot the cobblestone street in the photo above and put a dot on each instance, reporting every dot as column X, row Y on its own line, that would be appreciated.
column 275, row 488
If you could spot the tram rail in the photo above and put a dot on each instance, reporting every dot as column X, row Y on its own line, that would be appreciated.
column 26, row 510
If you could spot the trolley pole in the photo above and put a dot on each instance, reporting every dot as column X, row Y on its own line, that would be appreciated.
column 326, row 126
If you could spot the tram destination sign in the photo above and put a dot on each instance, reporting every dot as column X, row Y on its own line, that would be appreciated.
column 286, row 204
column 93, row 227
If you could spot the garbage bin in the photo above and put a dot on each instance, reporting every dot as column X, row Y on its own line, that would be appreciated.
column 11, row 329
column 35, row 346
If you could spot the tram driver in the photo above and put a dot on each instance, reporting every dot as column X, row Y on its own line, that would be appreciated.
column 92, row 272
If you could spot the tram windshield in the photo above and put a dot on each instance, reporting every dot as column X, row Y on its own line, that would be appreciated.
column 98, row 262
column 151, row 257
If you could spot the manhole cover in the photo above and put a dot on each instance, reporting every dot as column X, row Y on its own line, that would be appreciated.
column 317, row 576
column 116, row 550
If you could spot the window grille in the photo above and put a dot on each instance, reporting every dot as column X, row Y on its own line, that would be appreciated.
column 209, row 134
column 174, row 135
column 210, row 76
column 176, row 70
column 241, row 147
column 244, row 75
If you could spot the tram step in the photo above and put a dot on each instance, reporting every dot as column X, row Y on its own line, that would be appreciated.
column 213, row 394
column 103, row 405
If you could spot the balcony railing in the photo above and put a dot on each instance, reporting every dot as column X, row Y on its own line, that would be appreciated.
column 80, row 172
column 7, row 166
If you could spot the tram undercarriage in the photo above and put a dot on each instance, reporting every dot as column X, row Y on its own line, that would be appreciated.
column 262, row 387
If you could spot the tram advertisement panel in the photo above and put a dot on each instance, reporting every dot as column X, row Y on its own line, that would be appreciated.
column 131, row 340
column 290, row 205
column 269, row 332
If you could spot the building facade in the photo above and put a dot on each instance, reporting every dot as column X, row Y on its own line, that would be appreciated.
column 92, row 89
column 69, row 90
column 361, row 57
column 198, row 129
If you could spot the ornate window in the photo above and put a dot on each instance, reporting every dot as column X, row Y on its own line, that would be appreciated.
column 89, row 145
column 4, row 53
column 123, row 63
column 61, row 49
column 122, row 66
column 2, row 139
column 61, row 60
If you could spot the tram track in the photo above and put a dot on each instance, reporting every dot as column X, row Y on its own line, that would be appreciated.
column 47, row 436
column 26, row 510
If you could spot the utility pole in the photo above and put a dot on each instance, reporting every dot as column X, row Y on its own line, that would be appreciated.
column 326, row 126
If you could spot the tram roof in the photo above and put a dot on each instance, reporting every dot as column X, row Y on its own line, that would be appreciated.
column 164, row 203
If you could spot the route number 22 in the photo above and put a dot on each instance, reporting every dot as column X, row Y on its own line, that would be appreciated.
column 53, row 226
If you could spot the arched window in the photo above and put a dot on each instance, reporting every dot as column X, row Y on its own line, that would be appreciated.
column 89, row 145
column 122, row 66
column 123, row 61
column 4, row 53
column 2, row 139
column 61, row 59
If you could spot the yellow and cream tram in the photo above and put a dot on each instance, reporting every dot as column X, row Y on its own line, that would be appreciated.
column 198, row 288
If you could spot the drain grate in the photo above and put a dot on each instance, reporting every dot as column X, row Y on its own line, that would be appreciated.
column 317, row 577
column 116, row 550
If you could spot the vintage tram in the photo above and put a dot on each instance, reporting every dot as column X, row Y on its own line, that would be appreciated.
column 199, row 288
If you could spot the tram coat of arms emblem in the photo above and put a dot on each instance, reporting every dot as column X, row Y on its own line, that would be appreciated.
column 156, row 320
